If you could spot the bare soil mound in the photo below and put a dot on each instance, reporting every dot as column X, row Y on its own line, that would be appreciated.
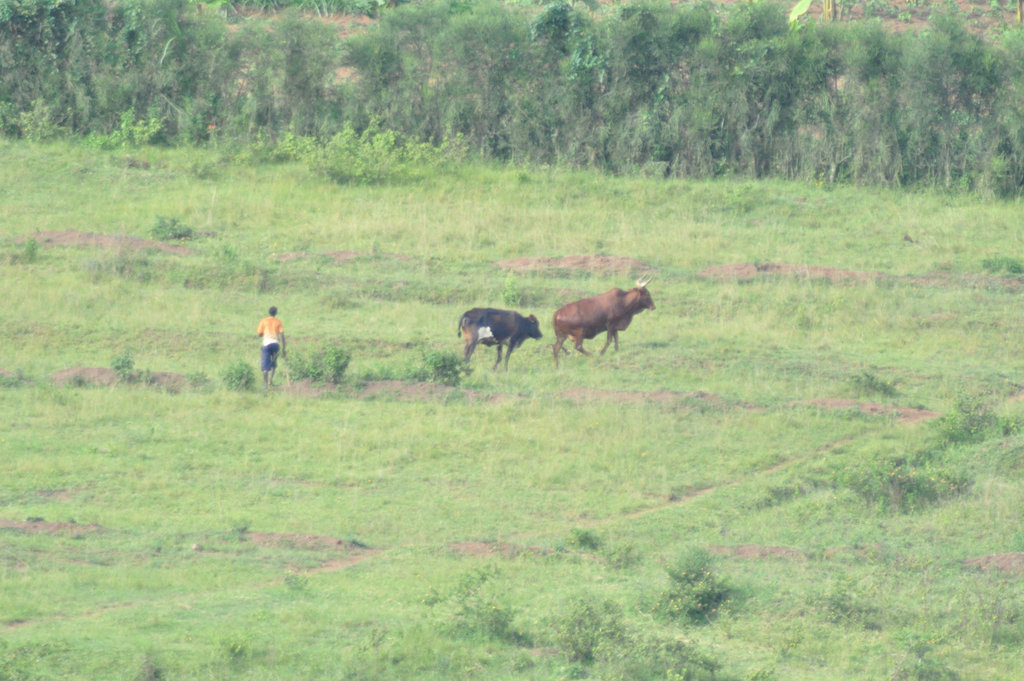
column 72, row 237
column 903, row 414
column 1000, row 562
column 604, row 264
column 346, row 553
column 748, row 271
column 85, row 376
column 756, row 551
column 167, row 380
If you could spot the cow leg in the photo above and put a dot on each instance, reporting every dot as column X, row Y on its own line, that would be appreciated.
column 559, row 339
column 578, row 344
column 470, row 347
column 613, row 335
column 498, row 361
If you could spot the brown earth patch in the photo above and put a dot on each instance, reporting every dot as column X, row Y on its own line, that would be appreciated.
column 353, row 552
column 71, row 237
column 85, row 376
column 757, row 551
column 999, row 562
column 903, row 414
column 748, row 271
column 167, row 380
column 606, row 264
column 39, row 526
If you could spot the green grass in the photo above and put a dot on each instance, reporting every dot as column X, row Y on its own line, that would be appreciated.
column 587, row 482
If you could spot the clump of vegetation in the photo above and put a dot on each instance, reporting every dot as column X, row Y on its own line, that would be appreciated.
column 905, row 483
column 374, row 155
column 510, row 291
column 124, row 366
column 594, row 631
column 1003, row 264
column 695, row 593
column 585, row 540
column 869, row 383
column 444, row 366
column 473, row 609
column 588, row 628
column 239, row 376
column 971, row 420
column 326, row 364
column 170, row 229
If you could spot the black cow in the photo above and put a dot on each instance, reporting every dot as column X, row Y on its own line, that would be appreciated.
column 496, row 327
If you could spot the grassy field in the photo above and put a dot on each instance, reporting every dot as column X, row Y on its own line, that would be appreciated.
column 808, row 467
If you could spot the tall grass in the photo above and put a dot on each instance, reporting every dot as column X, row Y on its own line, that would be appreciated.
column 445, row 531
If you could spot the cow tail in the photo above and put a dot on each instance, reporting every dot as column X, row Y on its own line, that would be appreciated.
column 462, row 324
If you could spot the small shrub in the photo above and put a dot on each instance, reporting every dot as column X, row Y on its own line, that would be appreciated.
column 589, row 627
column 239, row 376
column 869, row 383
column 124, row 366
column 30, row 251
column 971, row 420
column 510, row 291
column 1003, row 264
column 169, row 229
column 326, row 364
column 445, row 366
column 905, row 484
column 472, row 609
column 585, row 540
column 694, row 592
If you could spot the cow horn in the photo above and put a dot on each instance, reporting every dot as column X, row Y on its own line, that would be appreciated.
column 643, row 281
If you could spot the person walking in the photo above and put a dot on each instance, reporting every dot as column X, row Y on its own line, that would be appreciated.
column 272, row 332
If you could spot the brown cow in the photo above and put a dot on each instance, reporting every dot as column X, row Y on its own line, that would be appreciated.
column 611, row 312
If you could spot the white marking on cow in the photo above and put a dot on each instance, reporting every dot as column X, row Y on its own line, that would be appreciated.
column 484, row 332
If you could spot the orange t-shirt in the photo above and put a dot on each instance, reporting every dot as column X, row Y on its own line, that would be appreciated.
column 271, row 329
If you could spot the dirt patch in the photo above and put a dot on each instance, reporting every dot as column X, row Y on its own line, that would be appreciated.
column 103, row 376
column 40, row 526
column 604, row 264
column 903, row 414
column 353, row 552
column 72, row 237
column 999, row 562
column 748, row 271
column 756, row 551
column 85, row 376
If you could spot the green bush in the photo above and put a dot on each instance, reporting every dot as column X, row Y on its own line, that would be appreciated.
column 325, row 364
column 971, row 420
column 124, row 366
column 445, row 366
column 170, row 229
column 904, row 484
column 239, row 376
column 589, row 627
column 694, row 592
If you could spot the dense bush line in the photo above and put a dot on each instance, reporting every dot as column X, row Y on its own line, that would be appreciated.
column 687, row 90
